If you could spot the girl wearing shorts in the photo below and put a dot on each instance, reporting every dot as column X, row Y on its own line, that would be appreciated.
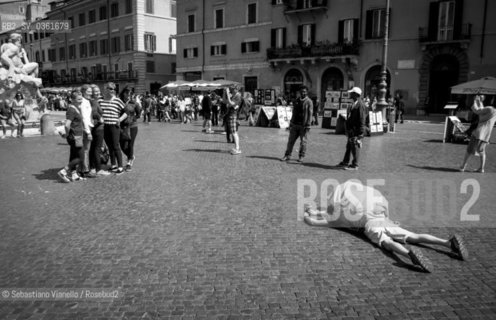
column 19, row 113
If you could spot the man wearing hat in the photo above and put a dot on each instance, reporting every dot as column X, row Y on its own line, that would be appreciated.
column 355, row 129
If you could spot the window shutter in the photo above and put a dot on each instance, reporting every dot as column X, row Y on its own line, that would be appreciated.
column 356, row 26
column 223, row 49
column 185, row 53
column 195, row 52
column 273, row 33
column 340, row 31
column 212, row 50
column 273, row 2
column 313, row 31
column 300, row 34
column 433, row 20
column 457, row 28
column 243, row 47
column 256, row 46
column 368, row 24
column 284, row 37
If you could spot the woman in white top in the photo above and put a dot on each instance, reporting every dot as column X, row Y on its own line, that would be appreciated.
column 480, row 136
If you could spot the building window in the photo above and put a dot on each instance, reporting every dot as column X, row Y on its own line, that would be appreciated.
column 190, row 53
column 36, row 36
column 348, row 31
column 446, row 20
column 83, row 50
column 104, row 46
column 149, row 6
column 218, row 49
column 278, row 38
column 128, row 42
column 115, row 46
column 92, row 16
column 172, row 45
column 251, row 45
column 173, row 8
column 73, row 74
column 150, row 66
column 82, row 19
column 72, row 51
column 51, row 55
column 150, row 42
column 37, row 56
column 71, row 21
column 306, row 34
column 219, row 18
column 43, row 55
column 252, row 13
column 173, row 67
column 375, row 20
column 21, row 9
column 103, row 12
column 191, row 23
column 93, row 49
column 114, row 10
column 251, row 84
column 129, row 6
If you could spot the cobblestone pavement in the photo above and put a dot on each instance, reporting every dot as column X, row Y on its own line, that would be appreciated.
column 196, row 233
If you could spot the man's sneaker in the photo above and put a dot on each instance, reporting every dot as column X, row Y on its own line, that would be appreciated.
column 285, row 158
column 131, row 161
column 352, row 167
column 418, row 259
column 235, row 151
column 342, row 165
column 119, row 171
column 458, row 246
column 300, row 160
column 76, row 177
column 129, row 168
column 63, row 175
column 113, row 169
column 103, row 173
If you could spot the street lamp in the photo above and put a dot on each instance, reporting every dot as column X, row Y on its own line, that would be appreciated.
column 382, row 103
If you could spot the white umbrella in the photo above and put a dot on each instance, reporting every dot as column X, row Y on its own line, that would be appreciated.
column 486, row 85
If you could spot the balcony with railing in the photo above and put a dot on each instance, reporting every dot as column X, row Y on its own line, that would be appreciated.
column 430, row 36
column 100, row 76
column 317, row 50
column 297, row 6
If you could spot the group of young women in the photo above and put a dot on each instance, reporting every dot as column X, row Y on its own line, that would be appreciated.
column 92, row 120
column 14, row 115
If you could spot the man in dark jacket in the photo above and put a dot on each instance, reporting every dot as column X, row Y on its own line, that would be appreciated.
column 355, row 129
column 206, row 104
column 300, row 124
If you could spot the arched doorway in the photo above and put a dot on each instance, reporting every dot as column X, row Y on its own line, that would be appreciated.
column 332, row 79
column 444, row 72
column 372, row 81
column 293, row 80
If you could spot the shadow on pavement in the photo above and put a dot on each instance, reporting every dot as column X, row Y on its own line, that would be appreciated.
column 321, row 166
column 434, row 140
column 214, row 141
column 191, row 131
column 265, row 158
column 48, row 174
column 207, row 150
column 447, row 253
column 434, row 168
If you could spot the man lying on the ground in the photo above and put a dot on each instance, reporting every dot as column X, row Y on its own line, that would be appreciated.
column 356, row 206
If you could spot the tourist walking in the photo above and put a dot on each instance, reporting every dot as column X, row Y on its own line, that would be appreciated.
column 233, row 102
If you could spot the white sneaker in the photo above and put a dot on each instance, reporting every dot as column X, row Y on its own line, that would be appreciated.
column 103, row 173
column 235, row 152
column 63, row 175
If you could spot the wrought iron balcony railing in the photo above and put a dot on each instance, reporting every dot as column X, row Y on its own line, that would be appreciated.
column 464, row 34
column 295, row 6
column 316, row 50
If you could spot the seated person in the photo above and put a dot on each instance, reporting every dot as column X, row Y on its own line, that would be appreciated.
column 363, row 208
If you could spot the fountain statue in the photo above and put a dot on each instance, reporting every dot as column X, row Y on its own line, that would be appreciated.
column 17, row 73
